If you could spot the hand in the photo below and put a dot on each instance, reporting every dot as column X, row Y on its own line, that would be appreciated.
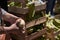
column 20, row 22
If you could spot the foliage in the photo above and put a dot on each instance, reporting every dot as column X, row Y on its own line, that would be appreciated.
column 17, row 4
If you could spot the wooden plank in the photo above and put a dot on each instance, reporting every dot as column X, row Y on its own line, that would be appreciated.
column 18, row 10
column 40, row 7
column 25, row 10
column 50, row 34
column 37, row 34
column 36, row 22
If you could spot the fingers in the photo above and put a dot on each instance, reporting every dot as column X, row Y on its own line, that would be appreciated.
column 20, row 23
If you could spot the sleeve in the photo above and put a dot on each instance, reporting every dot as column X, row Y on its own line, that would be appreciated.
column 3, row 11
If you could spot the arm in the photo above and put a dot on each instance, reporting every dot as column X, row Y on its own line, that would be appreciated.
column 20, row 23
column 13, row 26
column 9, row 17
column 13, row 19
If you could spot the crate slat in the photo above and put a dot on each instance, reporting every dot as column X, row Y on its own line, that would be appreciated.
column 36, row 22
column 25, row 10
column 37, row 34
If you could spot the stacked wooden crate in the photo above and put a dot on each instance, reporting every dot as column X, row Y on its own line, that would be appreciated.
column 24, row 11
